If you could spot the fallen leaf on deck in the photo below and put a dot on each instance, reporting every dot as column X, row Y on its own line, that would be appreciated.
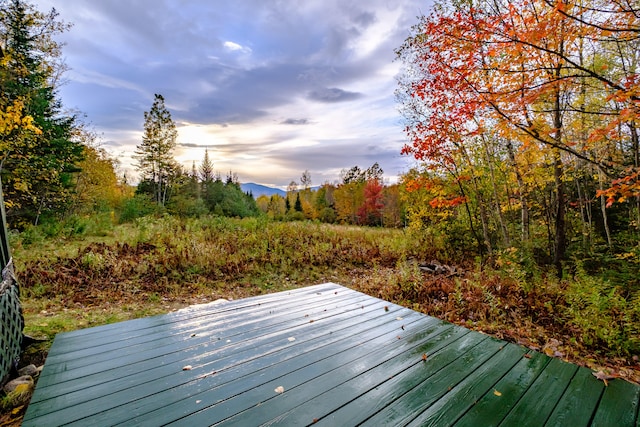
column 602, row 376
column 291, row 339
column 187, row 368
column 398, row 318
column 527, row 355
column 497, row 393
column 198, row 401
column 279, row 389
column 424, row 357
column 386, row 308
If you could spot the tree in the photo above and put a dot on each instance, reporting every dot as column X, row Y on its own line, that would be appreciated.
column 97, row 186
column 297, row 205
column 374, row 172
column 155, row 154
column 354, row 174
column 370, row 212
column 206, row 168
column 347, row 199
column 277, row 206
column 393, row 213
column 305, row 180
column 41, row 154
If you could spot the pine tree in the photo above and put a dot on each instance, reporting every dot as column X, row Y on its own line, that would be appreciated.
column 156, row 164
column 206, row 168
column 298, row 205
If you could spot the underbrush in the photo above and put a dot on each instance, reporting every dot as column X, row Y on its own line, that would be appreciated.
column 110, row 273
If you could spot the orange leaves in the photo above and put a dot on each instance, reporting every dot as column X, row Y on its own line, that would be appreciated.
column 623, row 188
column 441, row 202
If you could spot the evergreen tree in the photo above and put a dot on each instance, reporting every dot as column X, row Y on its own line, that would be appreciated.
column 354, row 174
column 39, row 161
column 206, row 168
column 298, row 204
column 155, row 154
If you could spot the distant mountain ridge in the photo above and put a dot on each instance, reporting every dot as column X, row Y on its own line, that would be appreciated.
column 258, row 190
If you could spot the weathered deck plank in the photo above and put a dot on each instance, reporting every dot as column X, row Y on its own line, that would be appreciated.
column 341, row 358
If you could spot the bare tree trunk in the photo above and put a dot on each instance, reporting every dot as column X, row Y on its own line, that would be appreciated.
column 560, row 245
column 496, row 199
column 481, row 203
column 585, row 214
column 561, row 226
column 524, row 207
column 603, row 209
column 636, row 163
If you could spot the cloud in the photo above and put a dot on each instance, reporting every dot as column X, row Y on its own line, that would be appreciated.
column 242, row 70
column 295, row 122
column 235, row 47
column 331, row 95
column 191, row 145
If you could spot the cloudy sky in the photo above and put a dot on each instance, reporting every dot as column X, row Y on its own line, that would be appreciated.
column 270, row 87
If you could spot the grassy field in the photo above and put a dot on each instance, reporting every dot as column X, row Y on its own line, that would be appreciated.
column 88, row 276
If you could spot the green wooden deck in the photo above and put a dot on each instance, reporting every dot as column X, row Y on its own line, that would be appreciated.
column 324, row 354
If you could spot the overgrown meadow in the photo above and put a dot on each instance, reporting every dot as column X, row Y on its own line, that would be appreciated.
column 87, row 272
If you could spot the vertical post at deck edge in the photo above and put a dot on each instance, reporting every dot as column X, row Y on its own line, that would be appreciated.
column 12, row 320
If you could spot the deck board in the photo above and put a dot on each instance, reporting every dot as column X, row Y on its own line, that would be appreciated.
column 341, row 357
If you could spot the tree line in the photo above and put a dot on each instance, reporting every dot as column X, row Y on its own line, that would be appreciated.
column 359, row 198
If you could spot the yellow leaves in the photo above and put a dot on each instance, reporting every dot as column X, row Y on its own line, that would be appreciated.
column 20, row 185
column 626, row 256
column 12, row 118
column 497, row 393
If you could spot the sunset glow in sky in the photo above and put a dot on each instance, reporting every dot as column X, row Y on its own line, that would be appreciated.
column 270, row 87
